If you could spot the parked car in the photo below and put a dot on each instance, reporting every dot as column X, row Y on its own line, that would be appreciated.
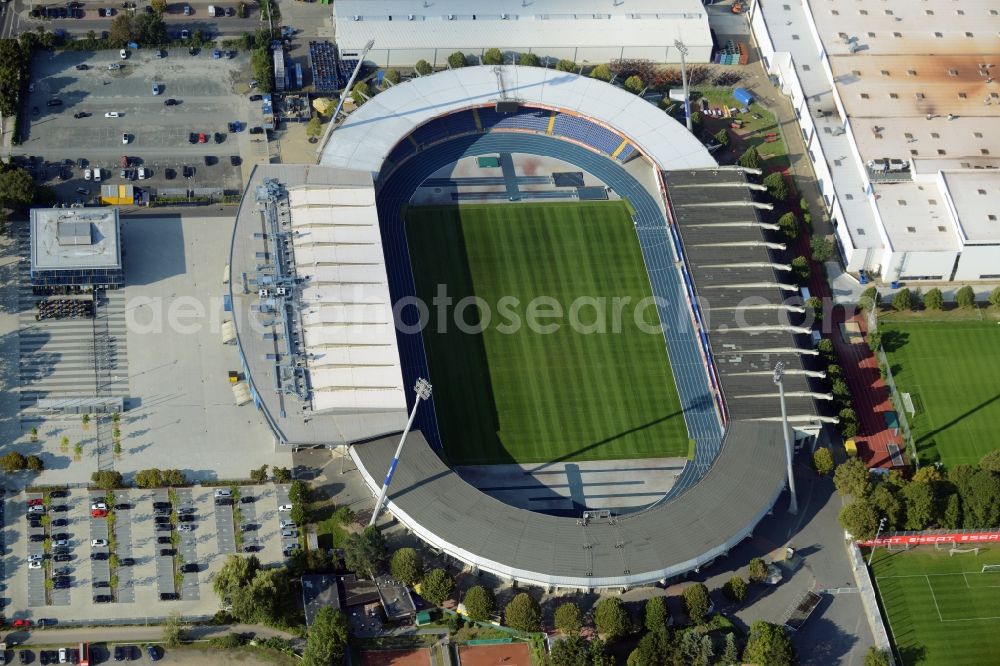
column 61, row 584
column 36, row 538
column 37, row 501
column 167, row 552
column 113, row 66
column 164, row 527
column 285, row 507
column 163, row 539
column 235, row 161
column 186, row 527
column 124, row 506
column 62, row 557
column 98, row 556
column 202, row 139
column 171, row 102
column 126, row 562
column 98, row 543
column 123, row 54
column 187, row 510
column 256, row 98
column 82, row 114
column 161, row 519
column 102, row 598
column 248, row 499
column 189, row 567
column 125, row 139
column 142, row 173
column 119, row 653
column 112, row 114
column 287, row 523
column 60, row 542
column 35, row 565
column 289, row 534
column 184, row 35
column 219, row 137
column 98, row 513
column 256, row 130
column 188, row 171
column 161, row 505
column 83, row 67
column 187, row 518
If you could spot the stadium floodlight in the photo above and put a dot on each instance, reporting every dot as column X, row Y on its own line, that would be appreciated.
column 682, row 49
column 878, row 533
column 423, row 391
column 779, row 371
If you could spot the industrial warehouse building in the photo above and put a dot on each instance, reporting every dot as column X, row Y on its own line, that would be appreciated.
column 586, row 32
column 899, row 106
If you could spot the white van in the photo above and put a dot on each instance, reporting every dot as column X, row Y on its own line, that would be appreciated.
column 97, row 175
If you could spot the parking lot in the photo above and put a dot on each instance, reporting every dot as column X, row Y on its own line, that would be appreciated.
column 208, row 94
column 146, row 569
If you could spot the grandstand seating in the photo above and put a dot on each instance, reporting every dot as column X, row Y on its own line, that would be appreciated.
column 403, row 149
column 536, row 120
column 586, row 132
column 626, row 153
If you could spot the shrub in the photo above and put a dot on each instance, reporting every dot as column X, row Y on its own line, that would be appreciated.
column 822, row 461
column 392, row 76
column 602, row 72
column 13, row 462
column 360, row 93
column 736, row 588
column 966, row 298
column 825, row 347
column 874, row 340
column 789, row 224
column 933, row 299
column 902, row 300
column 800, row 267
column 870, row 298
column 493, row 57
column 722, row 136
column 457, row 59
column 423, row 67
column 529, row 60
column 281, row 474
column 697, row 122
column 815, row 306
column 749, row 159
column 634, row 84
column 822, row 247
column 35, row 464
column 566, row 66
column 107, row 479
column 776, row 185
column 757, row 571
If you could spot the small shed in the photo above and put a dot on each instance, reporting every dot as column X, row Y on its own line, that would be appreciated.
column 743, row 96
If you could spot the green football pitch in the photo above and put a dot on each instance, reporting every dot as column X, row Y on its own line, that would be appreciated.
column 941, row 609
column 950, row 369
column 520, row 394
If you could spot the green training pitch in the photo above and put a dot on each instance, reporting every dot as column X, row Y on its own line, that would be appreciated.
column 950, row 369
column 509, row 394
column 941, row 609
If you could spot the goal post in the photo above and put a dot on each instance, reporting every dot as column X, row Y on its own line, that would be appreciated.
column 990, row 568
column 956, row 551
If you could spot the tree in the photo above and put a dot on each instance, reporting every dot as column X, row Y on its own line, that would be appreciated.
column 437, row 586
column 730, row 653
column 776, row 186
column 149, row 478
column 981, row 500
column 697, row 122
column 966, row 298
column 859, row 519
column 876, row 657
column 598, row 657
column 768, row 645
column 13, row 462
column 523, row 613
column 314, row 128
column 298, row 492
column 392, row 76
column 151, row 29
column 259, row 475
column 602, row 72
column 801, row 269
column 364, row 552
column 457, row 59
column 696, row 602
column 929, row 474
column 823, row 461
column 933, row 299
column 951, row 518
column 17, row 187
column 757, row 572
column 35, row 464
column 85, row 420
column 611, row 618
column 566, row 66
column 159, row 6
column 870, row 298
column 406, row 565
column 360, row 93
column 122, row 30
column 634, row 84
column 655, row 649
column 479, row 603
column 920, row 505
column 423, row 68
column 107, row 479
column 749, row 159
column 852, row 478
column 78, row 451
column 236, row 572
column 657, row 615
column 822, row 248
column 568, row 619
column 570, row 651
column 789, row 225
column 281, row 474
column 172, row 630
column 902, row 300
column 887, row 505
column 736, row 589
column 722, row 136
column 848, row 422
column 326, row 642
column 991, row 461
column 528, row 60
column 259, row 602
column 174, row 477
column 994, row 297
column 493, row 57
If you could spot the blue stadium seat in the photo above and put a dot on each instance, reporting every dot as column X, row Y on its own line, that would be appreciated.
column 586, row 132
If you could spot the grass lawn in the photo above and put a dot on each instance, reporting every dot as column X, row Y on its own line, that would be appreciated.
column 512, row 394
column 951, row 370
column 773, row 155
column 941, row 609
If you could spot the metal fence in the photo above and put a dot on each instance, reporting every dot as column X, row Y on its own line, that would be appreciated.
column 897, row 404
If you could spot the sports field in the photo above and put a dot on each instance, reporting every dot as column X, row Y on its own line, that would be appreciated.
column 941, row 609
column 512, row 394
column 951, row 370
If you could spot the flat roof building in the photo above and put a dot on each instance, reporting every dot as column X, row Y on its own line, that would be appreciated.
column 405, row 31
column 76, row 248
column 899, row 105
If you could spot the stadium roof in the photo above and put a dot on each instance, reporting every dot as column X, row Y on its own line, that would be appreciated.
column 397, row 112
column 335, row 302
column 447, row 24
column 74, row 238
column 668, row 539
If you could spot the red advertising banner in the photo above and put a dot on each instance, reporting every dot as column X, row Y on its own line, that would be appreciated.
column 930, row 538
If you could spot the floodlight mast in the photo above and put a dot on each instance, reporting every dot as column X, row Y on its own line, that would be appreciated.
column 343, row 98
column 679, row 45
column 779, row 370
column 423, row 391
column 881, row 524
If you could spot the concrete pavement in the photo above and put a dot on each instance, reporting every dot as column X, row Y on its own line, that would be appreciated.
column 135, row 634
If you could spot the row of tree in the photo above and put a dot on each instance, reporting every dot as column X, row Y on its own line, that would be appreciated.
column 963, row 497
column 914, row 299
column 15, row 462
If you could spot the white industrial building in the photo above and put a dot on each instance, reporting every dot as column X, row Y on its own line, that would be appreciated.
column 899, row 105
column 586, row 32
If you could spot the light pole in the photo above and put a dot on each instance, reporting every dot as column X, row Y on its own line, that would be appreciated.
column 779, row 370
column 423, row 391
column 881, row 524
column 679, row 45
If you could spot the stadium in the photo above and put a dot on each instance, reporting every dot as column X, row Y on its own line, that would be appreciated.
column 329, row 265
